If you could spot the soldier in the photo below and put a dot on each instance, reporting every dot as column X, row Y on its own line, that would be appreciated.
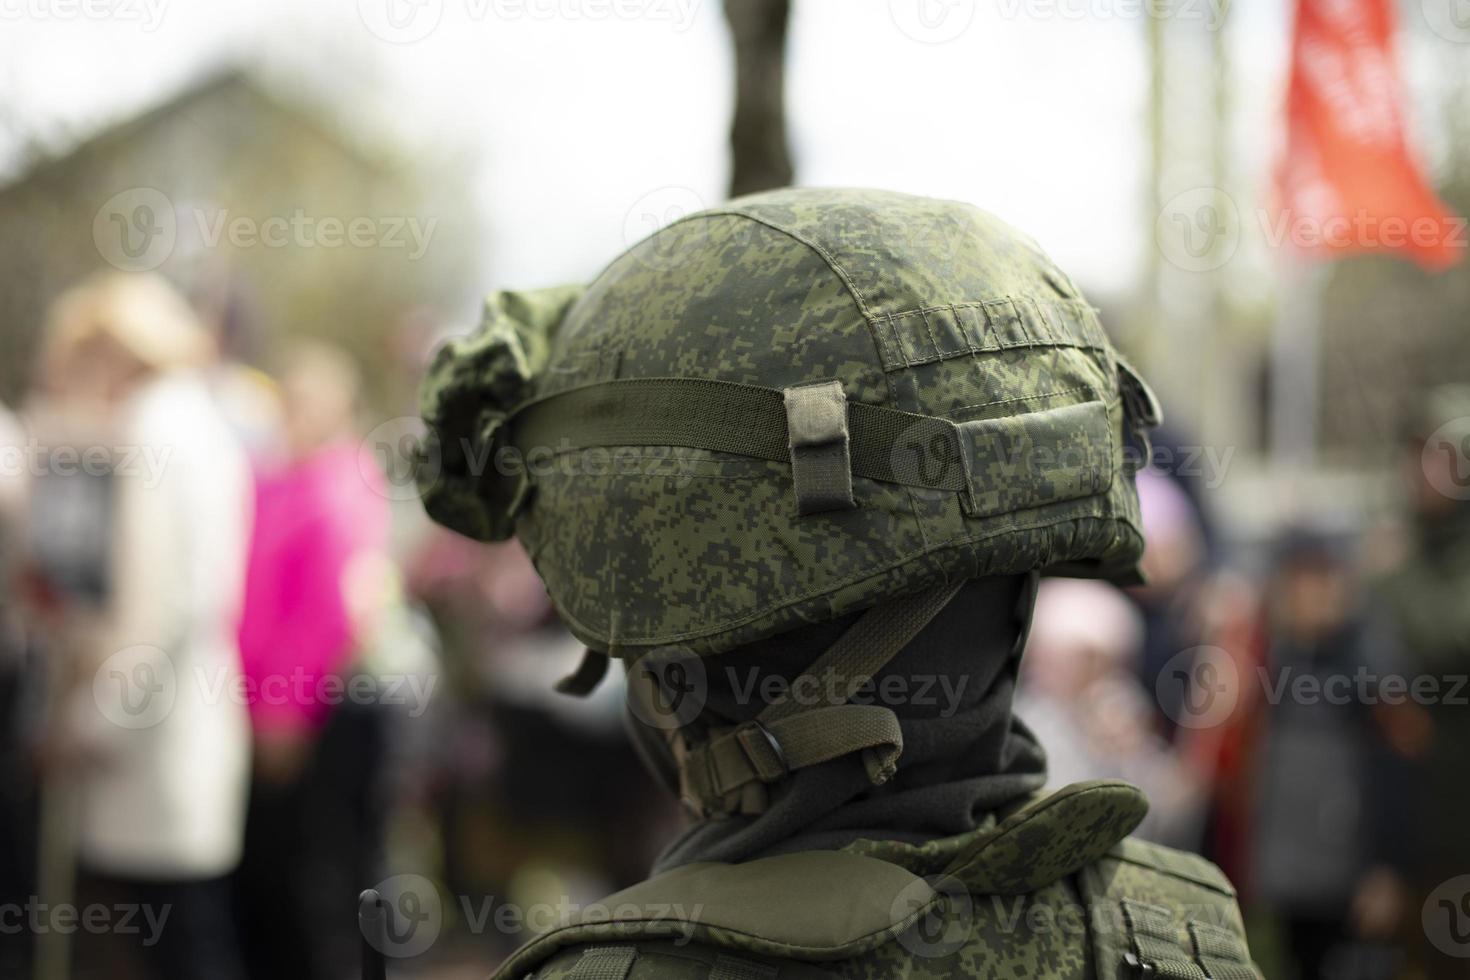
column 798, row 461
column 1427, row 718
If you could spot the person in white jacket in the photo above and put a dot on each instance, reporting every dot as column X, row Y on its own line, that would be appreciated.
column 152, row 729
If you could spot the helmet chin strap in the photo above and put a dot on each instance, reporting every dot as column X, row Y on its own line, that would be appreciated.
column 728, row 771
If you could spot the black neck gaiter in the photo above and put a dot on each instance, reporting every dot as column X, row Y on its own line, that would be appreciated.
column 964, row 754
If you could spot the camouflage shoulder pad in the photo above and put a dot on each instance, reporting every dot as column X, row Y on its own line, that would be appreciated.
column 1048, row 838
column 772, row 907
column 1165, row 913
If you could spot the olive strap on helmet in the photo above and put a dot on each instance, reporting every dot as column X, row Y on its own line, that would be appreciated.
column 723, row 416
column 801, row 730
column 997, row 465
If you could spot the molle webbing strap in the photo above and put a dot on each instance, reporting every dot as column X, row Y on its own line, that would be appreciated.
column 604, row 963
column 1221, row 953
column 803, row 730
column 1154, row 941
column 884, row 443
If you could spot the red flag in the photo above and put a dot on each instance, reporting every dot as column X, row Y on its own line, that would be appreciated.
column 1348, row 182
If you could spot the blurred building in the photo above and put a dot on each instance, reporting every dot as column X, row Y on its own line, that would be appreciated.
column 268, row 211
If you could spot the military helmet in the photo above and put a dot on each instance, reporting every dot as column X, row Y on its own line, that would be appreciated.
column 787, row 409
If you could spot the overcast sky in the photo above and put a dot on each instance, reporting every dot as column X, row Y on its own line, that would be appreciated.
column 589, row 116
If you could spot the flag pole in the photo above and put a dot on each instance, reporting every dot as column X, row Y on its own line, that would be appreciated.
column 1296, row 342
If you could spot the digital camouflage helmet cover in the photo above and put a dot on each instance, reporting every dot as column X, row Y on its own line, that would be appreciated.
column 787, row 409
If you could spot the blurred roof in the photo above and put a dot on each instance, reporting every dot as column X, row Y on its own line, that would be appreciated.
column 229, row 89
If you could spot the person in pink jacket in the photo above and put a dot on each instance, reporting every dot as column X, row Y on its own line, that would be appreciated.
column 322, row 515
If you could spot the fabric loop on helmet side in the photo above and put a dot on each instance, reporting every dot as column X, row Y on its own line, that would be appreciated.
column 816, row 433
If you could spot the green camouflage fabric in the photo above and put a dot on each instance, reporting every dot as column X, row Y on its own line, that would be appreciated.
column 1113, row 908
column 925, row 306
column 472, row 383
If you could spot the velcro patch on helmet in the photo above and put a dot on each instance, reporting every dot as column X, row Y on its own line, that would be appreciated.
column 1024, row 461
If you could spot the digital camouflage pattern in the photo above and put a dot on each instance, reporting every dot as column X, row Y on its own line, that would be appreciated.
column 1103, row 908
column 929, row 307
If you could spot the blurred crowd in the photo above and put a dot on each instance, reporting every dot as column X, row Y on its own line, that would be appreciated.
column 242, row 678
column 1295, row 709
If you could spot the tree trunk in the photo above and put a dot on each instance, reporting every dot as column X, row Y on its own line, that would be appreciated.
column 760, row 157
